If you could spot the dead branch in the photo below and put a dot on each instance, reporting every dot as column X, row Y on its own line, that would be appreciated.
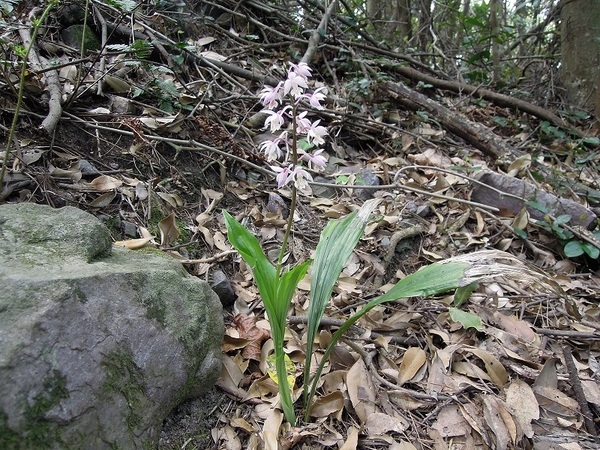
column 52, row 82
column 485, row 94
column 588, row 420
column 474, row 133
column 315, row 37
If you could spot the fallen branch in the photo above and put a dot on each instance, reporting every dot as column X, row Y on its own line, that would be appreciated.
column 588, row 420
column 485, row 94
column 474, row 133
column 51, row 78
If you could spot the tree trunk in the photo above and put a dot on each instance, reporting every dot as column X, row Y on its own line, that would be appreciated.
column 495, row 18
column 580, row 49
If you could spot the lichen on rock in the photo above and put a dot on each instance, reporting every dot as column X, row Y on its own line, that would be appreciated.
column 97, row 345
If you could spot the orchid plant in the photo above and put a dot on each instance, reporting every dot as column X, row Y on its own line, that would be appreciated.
column 294, row 152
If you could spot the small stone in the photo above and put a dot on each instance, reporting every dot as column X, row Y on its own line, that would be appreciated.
column 365, row 177
column 222, row 287
column 129, row 229
column 87, row 168
column 120, row 105
column 276, row 205
column 323, row 191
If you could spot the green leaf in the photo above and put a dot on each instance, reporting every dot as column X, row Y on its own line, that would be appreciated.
column 288, row 282
column 429, row 280
column 342, row 179
column 178, row 59
column 463, row 293
column 520, row 233
column 573, row 249
column 249, row 248
column 591, row 140
column 561, row 220
column 537, row 205
column 276, row 293
column 466, row 319
column 335, row 246
column 591, row 250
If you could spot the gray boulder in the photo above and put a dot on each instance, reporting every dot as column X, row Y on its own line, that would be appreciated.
column 97, row 344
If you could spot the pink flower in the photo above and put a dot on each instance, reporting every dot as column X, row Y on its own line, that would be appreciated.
column 275, row 120
column 315, row 160
column 316, row 98
column 271, row 96
column 302, row 123
column 271, row 149
column 295, row 84
column 315, row 133
column 300, row 177
column 284, row 175
column 301, row 69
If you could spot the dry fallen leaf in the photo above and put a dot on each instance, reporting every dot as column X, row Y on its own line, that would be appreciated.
column 495, row 415
column 361, row 390
column 403, row 445
column 493, row 367
column 105, row 183
column 412, row 361
column 328, row 404
column 168, row 230
column 450, row 422
column 352, row 440
column 247, row 329
column 134, row 244
column 379, row 424
column 523, row 405
column 271, row 429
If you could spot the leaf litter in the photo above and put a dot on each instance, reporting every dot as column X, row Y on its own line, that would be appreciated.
column 416, row 373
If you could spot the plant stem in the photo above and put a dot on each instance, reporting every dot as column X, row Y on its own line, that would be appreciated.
column 11, row 135
column 284, row 387
column 288, row 229
column 290, row 221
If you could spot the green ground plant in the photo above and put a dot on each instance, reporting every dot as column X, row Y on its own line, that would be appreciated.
column 277, row 284
column 24, row 55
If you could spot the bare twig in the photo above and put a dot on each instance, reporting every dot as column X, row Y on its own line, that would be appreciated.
column 578, row 390
column 315, row 37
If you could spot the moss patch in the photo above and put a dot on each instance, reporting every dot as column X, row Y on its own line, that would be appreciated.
column 124, row 377
column 40, row 433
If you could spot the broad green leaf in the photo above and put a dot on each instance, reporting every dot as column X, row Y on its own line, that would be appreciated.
column 335, row 246
column 591, row 140
column 286, row 287
column 591, row 250
column 285, row 392
column 276, row 293
column 466, row 319
column 573, row 249
column 249, row 248
column 429, row 280
column 520, row 233
column 537, row 205
column 562, row 219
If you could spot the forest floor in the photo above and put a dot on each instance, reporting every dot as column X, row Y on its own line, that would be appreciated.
column 170, row 139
